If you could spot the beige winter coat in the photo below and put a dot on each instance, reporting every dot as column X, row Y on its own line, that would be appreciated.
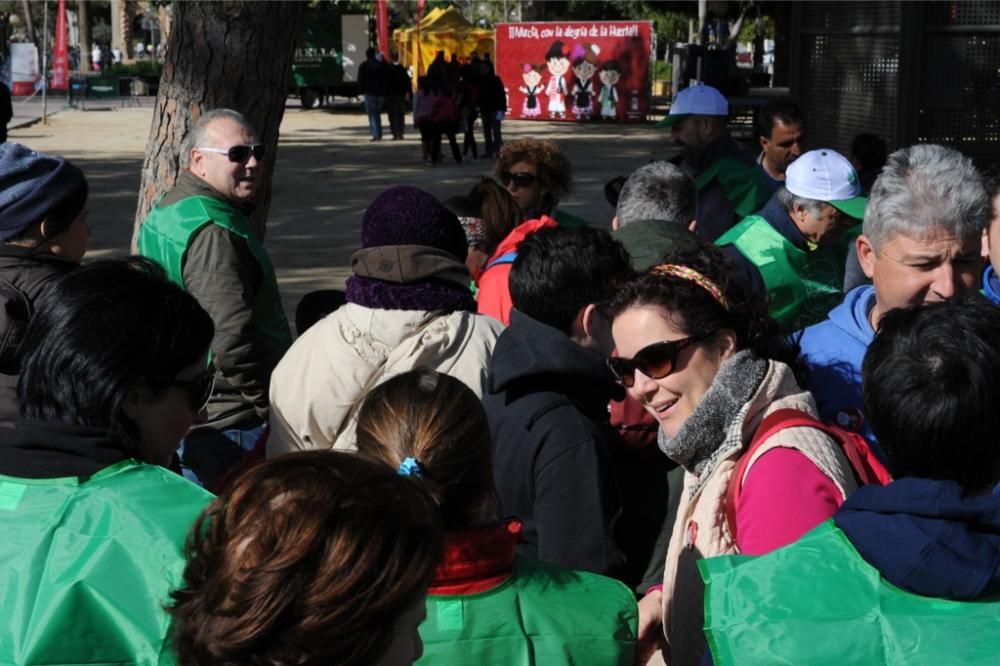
column 318, row 386
column 701, row 529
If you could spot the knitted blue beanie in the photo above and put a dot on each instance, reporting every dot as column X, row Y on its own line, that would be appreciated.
column 34, row 187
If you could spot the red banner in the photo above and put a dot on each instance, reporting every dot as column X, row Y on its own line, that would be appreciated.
column 60, row 51
column 576, row 70
column 382, row 25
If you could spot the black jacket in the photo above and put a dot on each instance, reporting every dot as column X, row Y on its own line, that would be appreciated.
column 547, row 404
column 30, row 273
column 716, row 214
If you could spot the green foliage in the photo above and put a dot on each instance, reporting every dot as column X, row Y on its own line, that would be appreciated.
column 150, row 68
column 748, row 31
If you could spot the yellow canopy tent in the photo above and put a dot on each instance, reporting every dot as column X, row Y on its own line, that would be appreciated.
column 441, row 30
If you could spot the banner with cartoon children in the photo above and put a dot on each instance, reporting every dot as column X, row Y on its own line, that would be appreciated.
column 575, row 70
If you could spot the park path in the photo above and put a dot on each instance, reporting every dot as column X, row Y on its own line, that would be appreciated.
column 327, row 171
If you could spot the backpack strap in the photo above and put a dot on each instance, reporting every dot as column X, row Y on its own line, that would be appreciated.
column 507, row 258
column 866, row 466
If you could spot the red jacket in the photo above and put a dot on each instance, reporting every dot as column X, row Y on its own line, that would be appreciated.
column 493, row 283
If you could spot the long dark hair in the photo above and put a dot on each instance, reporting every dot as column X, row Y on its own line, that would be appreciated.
column 101, row 331
column 694, row 311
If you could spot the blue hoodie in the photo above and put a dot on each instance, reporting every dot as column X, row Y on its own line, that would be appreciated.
column 991, row 285
column 927, row 537
column 834, row 350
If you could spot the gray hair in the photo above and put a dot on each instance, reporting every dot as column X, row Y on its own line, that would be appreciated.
column 197, row 135
column 924, row 189
column 658, row 191
column 788, row 201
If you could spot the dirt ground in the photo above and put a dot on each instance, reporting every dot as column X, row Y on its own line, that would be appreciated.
column 327, row 171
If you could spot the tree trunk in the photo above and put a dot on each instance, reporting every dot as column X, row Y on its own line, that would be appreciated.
column 233, row 55
column 83, row 16
column 29, row 22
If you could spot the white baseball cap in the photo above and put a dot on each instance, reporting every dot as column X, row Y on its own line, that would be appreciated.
column 696, row 101
column 826, row 175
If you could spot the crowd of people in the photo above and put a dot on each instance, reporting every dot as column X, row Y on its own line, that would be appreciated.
column 514, row 438
column 448, row 100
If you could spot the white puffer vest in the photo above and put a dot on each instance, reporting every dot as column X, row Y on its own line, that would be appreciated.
column 701, row 529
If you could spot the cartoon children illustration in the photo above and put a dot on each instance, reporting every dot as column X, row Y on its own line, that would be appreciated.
column 611, row 74
column 584, row 67
column 556, row 90
column 531, row 89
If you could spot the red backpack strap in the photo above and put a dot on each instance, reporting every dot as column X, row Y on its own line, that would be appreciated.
column 774, row 422
column 865, row 464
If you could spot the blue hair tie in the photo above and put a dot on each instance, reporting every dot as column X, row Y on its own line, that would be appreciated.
column 410, row 467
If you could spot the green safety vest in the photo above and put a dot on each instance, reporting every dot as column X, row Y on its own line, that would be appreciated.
column 87, row 564
column 745, row 186
column 541, row 615
column 166, row 234
column 817, row 601
column 802, row 285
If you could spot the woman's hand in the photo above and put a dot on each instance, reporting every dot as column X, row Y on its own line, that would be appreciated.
column 651, row 636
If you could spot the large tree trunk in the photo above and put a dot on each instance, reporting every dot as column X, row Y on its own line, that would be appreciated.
column 235, row 55
column 29, row 22
column 83, row 16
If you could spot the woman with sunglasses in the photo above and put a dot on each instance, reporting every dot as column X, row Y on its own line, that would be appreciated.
column 710, row 365
column 114, row 373
column 536, row 173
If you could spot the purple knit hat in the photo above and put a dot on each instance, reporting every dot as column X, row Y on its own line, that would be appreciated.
column 406, row 215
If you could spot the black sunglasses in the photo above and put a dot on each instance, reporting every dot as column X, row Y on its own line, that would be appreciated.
column 656, row 361
column 238, row 154
column 521, row 178
column 199, row 389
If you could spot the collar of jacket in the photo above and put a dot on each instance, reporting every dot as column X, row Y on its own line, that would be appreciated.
column 50, row 450
column 477, row 559
column 190, row 185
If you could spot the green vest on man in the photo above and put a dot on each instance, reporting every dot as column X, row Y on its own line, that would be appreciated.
column 200, row 234
column 797, row 245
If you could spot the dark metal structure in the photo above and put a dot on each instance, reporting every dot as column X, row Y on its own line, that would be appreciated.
column 908, row 71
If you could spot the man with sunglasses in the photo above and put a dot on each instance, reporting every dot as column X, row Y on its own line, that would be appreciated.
column 730, row 184
column 200, row 233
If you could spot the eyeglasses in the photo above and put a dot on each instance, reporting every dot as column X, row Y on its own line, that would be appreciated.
column 199, row 389
column 521, row 178
column 656, row 361
column 237, row 154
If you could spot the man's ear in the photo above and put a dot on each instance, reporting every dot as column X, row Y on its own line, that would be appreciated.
column 615, row 224
column 196, row 162
column 984, row 248
column 693, row 225
column 587, row 319
column 763, row 142
column 866, row 255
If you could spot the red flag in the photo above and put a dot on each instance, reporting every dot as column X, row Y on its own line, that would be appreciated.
column 382, row 25
column 60, row 51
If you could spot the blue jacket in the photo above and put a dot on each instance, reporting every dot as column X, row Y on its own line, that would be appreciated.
column 927, row 537
column 991, row 285
column 834, row 350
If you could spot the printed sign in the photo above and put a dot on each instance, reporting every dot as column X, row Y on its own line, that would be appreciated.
column 575, row 70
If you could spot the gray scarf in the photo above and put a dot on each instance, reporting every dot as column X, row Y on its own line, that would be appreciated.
column 701, row 441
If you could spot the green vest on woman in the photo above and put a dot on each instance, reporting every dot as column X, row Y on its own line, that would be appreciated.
column 87, row 564
column 817, row 601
